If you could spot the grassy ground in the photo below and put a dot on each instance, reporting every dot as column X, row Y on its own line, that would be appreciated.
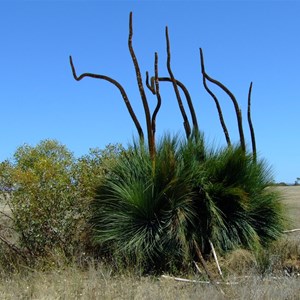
column 269, row 275
column 291, row 199
column 100, row 284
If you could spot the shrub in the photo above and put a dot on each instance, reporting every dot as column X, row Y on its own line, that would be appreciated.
column 44, row 199
column 50, row 192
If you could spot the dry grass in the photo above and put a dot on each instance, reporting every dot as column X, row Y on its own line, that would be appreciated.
column 98, row 283
column 274, row 274
column 291, row 200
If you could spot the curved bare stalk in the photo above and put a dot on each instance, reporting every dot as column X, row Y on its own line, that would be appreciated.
column 152, row 86
column 157, row 96
column 188, row 99
column 215, row 99
column 186, row 123
column 251, row 125
column 235, row 103
column 121, row 89
column 141, row 89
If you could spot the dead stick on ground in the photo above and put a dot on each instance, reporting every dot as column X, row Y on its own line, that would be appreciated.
column 202, row 261
column 197, row 281
column 292, row 230
column 197, row 267
column 216, row 258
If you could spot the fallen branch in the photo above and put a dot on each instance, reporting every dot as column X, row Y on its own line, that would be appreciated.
column 209, row 275
column 197, row 281
column 185, row 280
column 291, row 230
column 197, row 267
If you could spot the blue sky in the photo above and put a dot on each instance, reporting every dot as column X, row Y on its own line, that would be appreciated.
column 243, row 41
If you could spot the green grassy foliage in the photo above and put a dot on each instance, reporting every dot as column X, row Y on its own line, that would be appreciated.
column 137, row 209
column 150, row 213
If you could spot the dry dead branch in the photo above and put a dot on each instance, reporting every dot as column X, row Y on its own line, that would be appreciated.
column 203, row 263
column 216, row 258
column 291, row 230
column 197, row 281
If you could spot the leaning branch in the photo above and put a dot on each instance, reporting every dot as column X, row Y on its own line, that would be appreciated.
column 188, row 99
column 186, row 123
column 208, row 273
column 13, row 247
column 121, row 89
column 215, row 99
column 235, row 103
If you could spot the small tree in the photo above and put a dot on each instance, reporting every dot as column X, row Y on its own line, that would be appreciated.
column 43, row 200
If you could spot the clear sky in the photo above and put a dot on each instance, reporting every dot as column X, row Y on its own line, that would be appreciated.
column 243, row 41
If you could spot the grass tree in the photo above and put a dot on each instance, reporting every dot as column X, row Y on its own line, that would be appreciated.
column 166, row 202
column 194, row 197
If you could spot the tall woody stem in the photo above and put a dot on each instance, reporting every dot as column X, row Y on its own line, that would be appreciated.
column 188, row 99
column 225, row 130
column 235, row 103
column 121, row 89
column 142, row 91
column 251, row 125
column 156, row 81
column 186, row 123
